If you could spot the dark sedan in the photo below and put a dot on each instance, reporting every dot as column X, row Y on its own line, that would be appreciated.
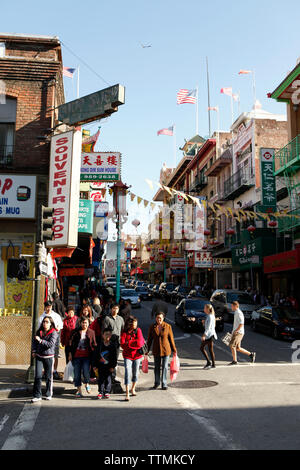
column 155, row 290
column 189, row 314
column 143, row 293
column 280, row 322
column 178, row 294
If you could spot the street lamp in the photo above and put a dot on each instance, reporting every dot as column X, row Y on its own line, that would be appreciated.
column 119, row 217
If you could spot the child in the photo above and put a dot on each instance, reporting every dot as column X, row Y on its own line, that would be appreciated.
column 105, row 361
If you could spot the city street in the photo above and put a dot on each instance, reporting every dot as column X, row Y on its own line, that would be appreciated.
column 248, row 406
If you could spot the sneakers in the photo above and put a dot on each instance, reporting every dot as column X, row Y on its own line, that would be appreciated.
column 208, row 366
column 106, row 395
column 252, row 357
column 88, row 389
column 48, row 398
column 99, row 396
column 78, row 395
column 56, row 375
column 35, row 399
column 233, row 363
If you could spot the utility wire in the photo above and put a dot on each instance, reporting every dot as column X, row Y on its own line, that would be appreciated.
column 85, row 63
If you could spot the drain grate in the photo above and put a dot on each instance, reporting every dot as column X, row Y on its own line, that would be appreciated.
column 194, row 384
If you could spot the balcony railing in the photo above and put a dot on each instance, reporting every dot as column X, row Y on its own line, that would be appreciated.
column 6, row 155
column 289, row 222
column 199, row 183
column 288, row 158
column 238, row 183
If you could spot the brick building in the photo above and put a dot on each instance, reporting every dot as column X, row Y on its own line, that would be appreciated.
column 32, row 87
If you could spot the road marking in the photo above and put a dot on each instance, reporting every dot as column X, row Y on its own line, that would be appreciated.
column 185, row 336
column 196, row 412
column 248, row 384
column 19, row 435
column 3, row 421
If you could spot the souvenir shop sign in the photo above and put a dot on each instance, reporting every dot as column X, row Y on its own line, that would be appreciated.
column 100, row 166
column 268, row 183
column 17, row 196
column 64, row 177
column 85, row 216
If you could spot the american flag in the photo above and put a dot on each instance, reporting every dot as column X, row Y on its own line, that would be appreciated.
column 68, row 72
column 166, row 131
column 186, row 96
column 244, row 72
column 226, row 91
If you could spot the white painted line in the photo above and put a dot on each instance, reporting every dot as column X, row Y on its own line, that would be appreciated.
column 3, row 421
column 185, row 336
column 19, row 435
column 248, row 384
column 193, row 409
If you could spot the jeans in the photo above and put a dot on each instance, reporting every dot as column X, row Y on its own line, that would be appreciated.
column 161, row 370
column 47, row 365
column 104, row 380
column 131, row 370
column 81, row 365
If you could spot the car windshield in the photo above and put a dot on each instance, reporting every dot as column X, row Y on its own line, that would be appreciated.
column 195, row 304
column 287, row 313
column 170, row 286
column 140, row 289
column 128, row 293
column 242, row 298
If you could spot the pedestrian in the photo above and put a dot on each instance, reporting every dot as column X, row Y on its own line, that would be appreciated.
column 97, row 307
column 85, row 312
column 125, row 310
column 159, row 306
column 43, row 350
column 238, row 332
column 131, row 342
column 116, row 323
column 277, row 297
column 82, row 345
column 69, row 325
column 161, row 338
column 58, row 326
column 104, row 363
column 208, row 336
column 58, row 306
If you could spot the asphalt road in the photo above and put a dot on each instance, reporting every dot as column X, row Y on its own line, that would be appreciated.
column 248, row 406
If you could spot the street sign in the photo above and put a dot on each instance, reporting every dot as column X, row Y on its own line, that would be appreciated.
column 92, row 107
column 268, row 183
column 100, row 166
column 43, row 268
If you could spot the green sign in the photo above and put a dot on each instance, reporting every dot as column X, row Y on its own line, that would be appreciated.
column 97, row 177
column 268, row 182
column 250, row 254
column 85, row 216
column 92, row 107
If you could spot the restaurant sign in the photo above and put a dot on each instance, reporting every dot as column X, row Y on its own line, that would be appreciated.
column 100, row 166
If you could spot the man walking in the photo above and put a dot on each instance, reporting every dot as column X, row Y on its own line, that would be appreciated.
column 238, row 332
column 58, row 326
column 159, row 306
column 116, row 324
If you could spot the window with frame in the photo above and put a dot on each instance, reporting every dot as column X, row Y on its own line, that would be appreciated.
column 7, row 131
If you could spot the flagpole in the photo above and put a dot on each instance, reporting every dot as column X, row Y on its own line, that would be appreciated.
column 174, row 141
column 208, row 97
column 197, row 111
column 218, row 134
column 231, row 97
column 78, row 81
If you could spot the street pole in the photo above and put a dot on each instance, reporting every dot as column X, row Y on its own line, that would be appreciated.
column 186, row 269
column 164, row 270
column 118, row 260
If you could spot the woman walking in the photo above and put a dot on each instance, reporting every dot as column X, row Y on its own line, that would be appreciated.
column 131, row 341
column 85, row 312
column 161, row 335
column 208, row 336
column 43, row 350
column 69, row 325
column 82, row 345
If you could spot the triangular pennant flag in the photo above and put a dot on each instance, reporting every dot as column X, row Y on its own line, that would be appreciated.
column 150, row 183
column 132, row 196
column 212, row 207
column 110, row 191
column 139, row 199
column 152, row 205
column 167, row 189
column 146, row 203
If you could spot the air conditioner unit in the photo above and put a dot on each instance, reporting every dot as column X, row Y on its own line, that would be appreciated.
column 259, row 224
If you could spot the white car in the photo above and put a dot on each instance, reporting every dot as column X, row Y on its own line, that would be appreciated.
column 111, row 282
column 130, row 294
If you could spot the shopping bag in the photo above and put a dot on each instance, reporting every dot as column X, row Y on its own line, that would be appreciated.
column 227, row 338
column 174, row 367
column 145, row 365
column 69, row 372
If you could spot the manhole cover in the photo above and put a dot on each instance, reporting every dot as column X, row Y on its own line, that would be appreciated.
column 194, row 384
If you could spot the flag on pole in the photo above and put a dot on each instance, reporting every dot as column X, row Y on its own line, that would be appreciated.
column 68, row 72
column 166, row 131
column 236, row 97
column 89, row 142
column 186, row 96
column 244, row 72
column 226, row 91
column 213, row 108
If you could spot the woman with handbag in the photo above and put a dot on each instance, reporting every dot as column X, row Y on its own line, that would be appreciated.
column 208, row 336
column 161, row 338
column 131, row 342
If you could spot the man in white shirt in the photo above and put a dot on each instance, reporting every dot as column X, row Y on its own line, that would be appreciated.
column 238, row 332
column 58, row 326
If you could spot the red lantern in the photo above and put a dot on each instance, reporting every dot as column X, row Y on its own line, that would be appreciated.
column 148, row 248
column 273, row 223
column 206, row 232
column 251, row 228
column 230, row 231
column 151, row 258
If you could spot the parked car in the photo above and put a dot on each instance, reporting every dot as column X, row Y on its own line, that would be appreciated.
column 279, row 322
column 111, row 282
column 132, row 295
column 165, row 290
column 155, row 290
column 189, row 314
column 221, row 300
column 178, row 294
column 196, row 293
column 143, row 293
column 150, row 287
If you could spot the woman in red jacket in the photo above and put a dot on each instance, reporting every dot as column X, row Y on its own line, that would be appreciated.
column 131, row 342
column 69, row 325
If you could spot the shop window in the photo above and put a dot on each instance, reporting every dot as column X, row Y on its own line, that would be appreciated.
column 7, row 131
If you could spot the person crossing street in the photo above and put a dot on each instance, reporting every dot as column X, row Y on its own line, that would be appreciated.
column 238, row 332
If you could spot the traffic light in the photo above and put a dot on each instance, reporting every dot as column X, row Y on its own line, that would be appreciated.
column 47, row 223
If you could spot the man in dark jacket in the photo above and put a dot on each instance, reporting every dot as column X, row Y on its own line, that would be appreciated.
column 159, row 306
column 105, row 361
column 58, row 306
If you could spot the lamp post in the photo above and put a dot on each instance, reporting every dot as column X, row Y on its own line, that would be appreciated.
column 119, row 217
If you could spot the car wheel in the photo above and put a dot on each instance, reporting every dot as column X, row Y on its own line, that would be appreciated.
column 275, row 333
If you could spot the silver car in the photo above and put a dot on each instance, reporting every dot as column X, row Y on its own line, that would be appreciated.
column 221, row 300
column 131, row 294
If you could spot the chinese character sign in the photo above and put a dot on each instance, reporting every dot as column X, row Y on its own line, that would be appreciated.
column 268, row 184
column 101, row 166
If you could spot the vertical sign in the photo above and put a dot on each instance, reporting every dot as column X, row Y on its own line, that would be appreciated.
column 268, row 183
column 85, row 216
column 64, row 178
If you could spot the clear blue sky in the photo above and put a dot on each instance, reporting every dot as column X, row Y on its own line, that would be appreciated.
column 260, row 34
